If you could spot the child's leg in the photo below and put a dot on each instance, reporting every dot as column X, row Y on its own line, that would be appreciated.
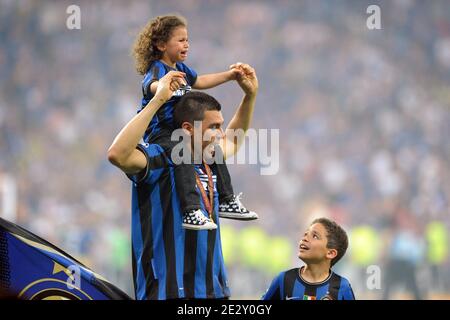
column 185, row 186
column 224, row 186
column 185, row 183
column 184, row 174
column 230, row 206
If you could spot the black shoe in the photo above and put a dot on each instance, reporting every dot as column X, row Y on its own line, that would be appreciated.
column 234, row 209
column 196, row 220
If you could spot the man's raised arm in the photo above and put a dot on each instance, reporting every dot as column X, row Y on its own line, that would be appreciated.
column 123, row 153
column 248, row 82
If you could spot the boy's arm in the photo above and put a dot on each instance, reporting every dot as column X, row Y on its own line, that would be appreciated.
column 212, row 80
column 239, row 124
column 123, row 153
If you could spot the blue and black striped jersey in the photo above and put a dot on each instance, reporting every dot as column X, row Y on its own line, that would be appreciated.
column 289, row 285
column 164, row 116
column 170, row 262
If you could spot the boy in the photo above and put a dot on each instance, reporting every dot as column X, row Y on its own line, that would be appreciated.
column 321, row 247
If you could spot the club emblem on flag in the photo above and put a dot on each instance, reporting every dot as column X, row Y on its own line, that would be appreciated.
column 34, row 269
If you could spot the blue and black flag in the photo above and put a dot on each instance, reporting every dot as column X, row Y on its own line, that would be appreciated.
column 34, row 269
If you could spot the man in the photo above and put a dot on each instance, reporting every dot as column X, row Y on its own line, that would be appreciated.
column 170, row 262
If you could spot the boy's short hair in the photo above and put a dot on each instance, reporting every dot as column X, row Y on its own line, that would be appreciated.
column 192, row 106
column 336, row 237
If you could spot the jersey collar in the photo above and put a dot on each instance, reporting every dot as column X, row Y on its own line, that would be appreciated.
column 300, row 278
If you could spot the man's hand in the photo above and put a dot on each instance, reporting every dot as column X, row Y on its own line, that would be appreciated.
column 168, row 84
column 234, row 72
column 246, row 78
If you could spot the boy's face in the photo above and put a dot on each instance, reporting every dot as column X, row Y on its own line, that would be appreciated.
column 176, row 49
column 313, row 245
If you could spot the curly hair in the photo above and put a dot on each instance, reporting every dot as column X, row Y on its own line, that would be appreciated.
column 336, row 237
column 156, row 31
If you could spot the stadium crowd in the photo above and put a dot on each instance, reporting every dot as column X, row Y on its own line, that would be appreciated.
column 364, row 120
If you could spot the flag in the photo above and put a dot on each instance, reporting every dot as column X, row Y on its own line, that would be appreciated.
column 31, row 268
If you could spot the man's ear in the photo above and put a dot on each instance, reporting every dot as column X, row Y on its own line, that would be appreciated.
column 331, row 254
column 188, row 128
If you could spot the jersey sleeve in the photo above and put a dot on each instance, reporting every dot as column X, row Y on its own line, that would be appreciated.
column 275, row 290
column 191, row 74
column 346, row 292
column 155, row 73
column 156, row 160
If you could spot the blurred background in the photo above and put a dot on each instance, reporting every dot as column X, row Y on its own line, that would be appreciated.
column 364, row 120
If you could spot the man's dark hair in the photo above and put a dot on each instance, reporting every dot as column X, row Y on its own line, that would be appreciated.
column 336, row 237
column 192, row 106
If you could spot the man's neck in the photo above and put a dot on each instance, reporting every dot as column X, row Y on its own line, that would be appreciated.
column 315, row 273
column 196, row 155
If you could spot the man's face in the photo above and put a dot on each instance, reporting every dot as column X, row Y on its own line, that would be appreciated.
column 211, row 131
column 313, row 244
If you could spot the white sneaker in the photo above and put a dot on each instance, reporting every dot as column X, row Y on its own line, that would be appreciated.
column 234, row 209
column 196, row 220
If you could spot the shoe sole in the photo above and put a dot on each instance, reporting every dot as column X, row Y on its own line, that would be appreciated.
column 237, row 216
column 194, row 227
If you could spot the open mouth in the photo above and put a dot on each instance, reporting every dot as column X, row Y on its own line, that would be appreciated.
column 303, row 247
